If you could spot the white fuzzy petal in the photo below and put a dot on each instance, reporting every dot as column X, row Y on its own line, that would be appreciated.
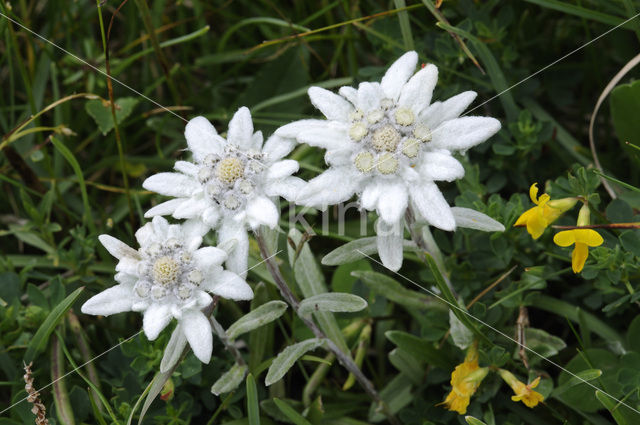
column 472, row 219
column 165, row 208
column 233, row 287
column 329, row 188
column 256, row 140
column 160, row 227
column 349, row 93
column 292, row 130
column 432, row 206
column 128, row 265
column 389, row 241
column 202, row 138
column 463, row 133
column 326, row 138
column 117, row 248
column 416, row 94
column 237, row 260
column 392, row 202
column 155, row 319
column 277, row 147
column 173, row 350
column 437, row 166
column 398, row 74
column 241, row 128
column 261, row 210
column 369, row 96
column 282, row 169
column 145, row 235
column 208, row 257
column 171, row 184
column 288, row 188
column 116, row 299
column 192, row 207
column 186, row 167
column 451, row 108
column 197, row 330
column 330, row 104
column 339, row 158
column 211, row 216
column 370, row 195
column 192, row 232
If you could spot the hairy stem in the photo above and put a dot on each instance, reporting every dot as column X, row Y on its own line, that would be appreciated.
column 421, row 236
column 345, row 360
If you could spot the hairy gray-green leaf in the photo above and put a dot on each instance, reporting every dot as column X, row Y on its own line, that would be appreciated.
column 287, row 357
column 393, row 290
column 332, row 301
column 311, row 282
column 260, row 316
column 230, row 380
column 462, row 336
column 355, row 250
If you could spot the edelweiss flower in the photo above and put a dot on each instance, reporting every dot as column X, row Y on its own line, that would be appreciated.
column 229, row 184
column 386, row 143
column 169, row 277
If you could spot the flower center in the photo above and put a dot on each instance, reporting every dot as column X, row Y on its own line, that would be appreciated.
column 386, row 139
column 229, row 170
column 165, row 271
column 389, row 137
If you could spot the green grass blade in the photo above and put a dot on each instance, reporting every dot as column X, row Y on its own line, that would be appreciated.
column 290, row 413
column 40, row 339
column 71, row 159
column 582, row 12
column 253, row 408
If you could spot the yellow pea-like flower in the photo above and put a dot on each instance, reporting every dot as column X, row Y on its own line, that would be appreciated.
column 465, row 380
column 544, row 213
column 523, row 392
column 583, row 239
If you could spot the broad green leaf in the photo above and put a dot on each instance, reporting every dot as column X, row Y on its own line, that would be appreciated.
column 288, row 411
column 461, row 335
column 397, row 394
column 253, row 408
column 336, row 302
column 287, row 357
column 420, row 349
column 262, row 315
column 311, row 282
column 101, row 113
column 622, row 414
column 39, row 340
column 543, row 343
column 393, row 290
column 230, row 380
column 408, row 364
column 585, row 375
column 625, row 100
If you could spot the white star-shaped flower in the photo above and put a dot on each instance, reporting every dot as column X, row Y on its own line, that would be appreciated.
column 230, row 183
column 387, row 143
column 168, row 277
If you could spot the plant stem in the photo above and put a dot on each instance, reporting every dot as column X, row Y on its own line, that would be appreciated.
column 421, row 236
column 345, row 360
column 220, row 332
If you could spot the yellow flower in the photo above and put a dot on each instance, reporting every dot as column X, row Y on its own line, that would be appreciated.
column 544, row 213
column 523, row 392
column 583, row 238
column 465, row 380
